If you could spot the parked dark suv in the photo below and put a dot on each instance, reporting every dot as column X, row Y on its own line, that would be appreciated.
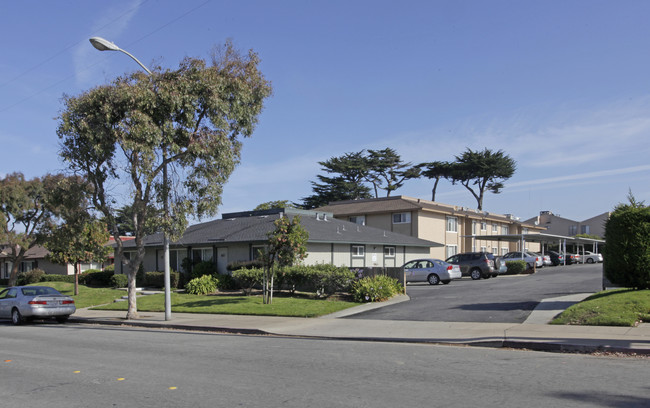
column 475, row 264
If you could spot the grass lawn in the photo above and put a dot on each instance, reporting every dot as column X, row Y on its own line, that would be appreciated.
column 243, row 305
column 609, row 308
column 87, row 296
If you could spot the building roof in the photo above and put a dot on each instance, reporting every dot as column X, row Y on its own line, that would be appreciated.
column 255, row 226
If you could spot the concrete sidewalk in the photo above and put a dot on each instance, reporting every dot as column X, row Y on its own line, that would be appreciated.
column 534, row 334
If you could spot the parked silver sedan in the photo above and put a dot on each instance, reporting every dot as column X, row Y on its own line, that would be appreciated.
column 20, row 303
column 433, row 271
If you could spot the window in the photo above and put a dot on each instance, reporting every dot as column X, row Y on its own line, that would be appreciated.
column 573, row 230
column 483, row 249
column 257, row 251
column 505, row 229
column 201, row 255
column 389, row 252
column 495, row 228
column 358, row 250
column 359, row 219
column 452, row 224
column 402, row 218
column 504, row 250
column 483, row 226
column 176, row 257
column 473, row 227
column 451, row 250
column 524, row 231
column 584, row 229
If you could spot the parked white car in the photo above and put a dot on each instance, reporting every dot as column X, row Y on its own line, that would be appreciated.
column 591, row 257
column 433, row 271
column 531, row 260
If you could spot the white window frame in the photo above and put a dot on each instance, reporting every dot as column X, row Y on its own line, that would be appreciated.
column 483, row 226
column 451, row 250
column 483, row 249
column 389, row 252
column 358, row 219
column 495, row 227
column 504, row 250
column 452, row 224
column 358, row 251
column 402, row 218
column 505, row 229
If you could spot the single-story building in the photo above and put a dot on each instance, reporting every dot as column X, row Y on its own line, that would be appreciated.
column 237, row 237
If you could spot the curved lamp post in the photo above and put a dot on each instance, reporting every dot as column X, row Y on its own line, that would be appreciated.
column 105, row 45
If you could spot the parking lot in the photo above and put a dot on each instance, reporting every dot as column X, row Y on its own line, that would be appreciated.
column 505, row 299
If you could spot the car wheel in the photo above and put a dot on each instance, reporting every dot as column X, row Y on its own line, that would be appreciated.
column 475, row 274
column 433, row 279
column 16, row 317
column 590, row 260
column 445, row 282
column 62, row 319
column 494, row 275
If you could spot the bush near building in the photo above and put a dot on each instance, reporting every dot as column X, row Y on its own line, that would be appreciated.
column 627, row 253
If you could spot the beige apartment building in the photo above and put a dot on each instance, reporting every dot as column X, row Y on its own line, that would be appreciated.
column 459, row 229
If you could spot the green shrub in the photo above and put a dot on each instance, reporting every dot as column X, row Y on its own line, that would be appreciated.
column 157, row 279
column 326, row 279
column 94, row 277
column 375, row 289
column 225, row 282
column 203, row 268
column 110, row 268
column 247, row 278
column 57, row 278
column 119, row 281
column 627, row 253
column 237, row 265
column 29, row 277
column 201, row 286
column 515, row 267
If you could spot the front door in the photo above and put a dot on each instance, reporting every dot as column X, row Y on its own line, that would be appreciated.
column 222, row 260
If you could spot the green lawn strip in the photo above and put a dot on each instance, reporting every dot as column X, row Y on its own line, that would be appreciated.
column 242, row 305
column 623, row 307
column 87, row 296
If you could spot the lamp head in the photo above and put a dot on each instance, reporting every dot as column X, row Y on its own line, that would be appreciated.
column 103, row 45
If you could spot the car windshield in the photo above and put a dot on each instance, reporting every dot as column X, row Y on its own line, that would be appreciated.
column 40, row 290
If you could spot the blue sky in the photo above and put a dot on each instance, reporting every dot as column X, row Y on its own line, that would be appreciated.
column 561, row 86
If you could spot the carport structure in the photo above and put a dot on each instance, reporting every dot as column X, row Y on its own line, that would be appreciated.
column 542, row 238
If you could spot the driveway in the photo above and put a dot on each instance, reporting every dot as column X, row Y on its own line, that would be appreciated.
column 506, row 299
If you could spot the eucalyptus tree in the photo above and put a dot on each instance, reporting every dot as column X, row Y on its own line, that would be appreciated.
column 483, row 170
column 27, row 214
column 122, row 137
column 80, row 238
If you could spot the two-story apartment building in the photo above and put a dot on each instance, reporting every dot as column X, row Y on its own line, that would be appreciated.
column 554, row 224
column 456, row 227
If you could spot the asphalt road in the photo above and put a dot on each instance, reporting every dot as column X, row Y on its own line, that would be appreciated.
column 50, row 365
column 505, row 299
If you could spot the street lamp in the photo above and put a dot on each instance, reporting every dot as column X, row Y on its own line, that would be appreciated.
column 105, row 45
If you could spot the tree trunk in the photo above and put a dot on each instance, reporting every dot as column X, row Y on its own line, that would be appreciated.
column 132, row 312
column 76, row 278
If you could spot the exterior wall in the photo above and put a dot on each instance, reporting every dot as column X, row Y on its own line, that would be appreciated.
column 55, row 269
column 319, row 254
column 595, row 225
column 432, row 226
column 381, row 221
